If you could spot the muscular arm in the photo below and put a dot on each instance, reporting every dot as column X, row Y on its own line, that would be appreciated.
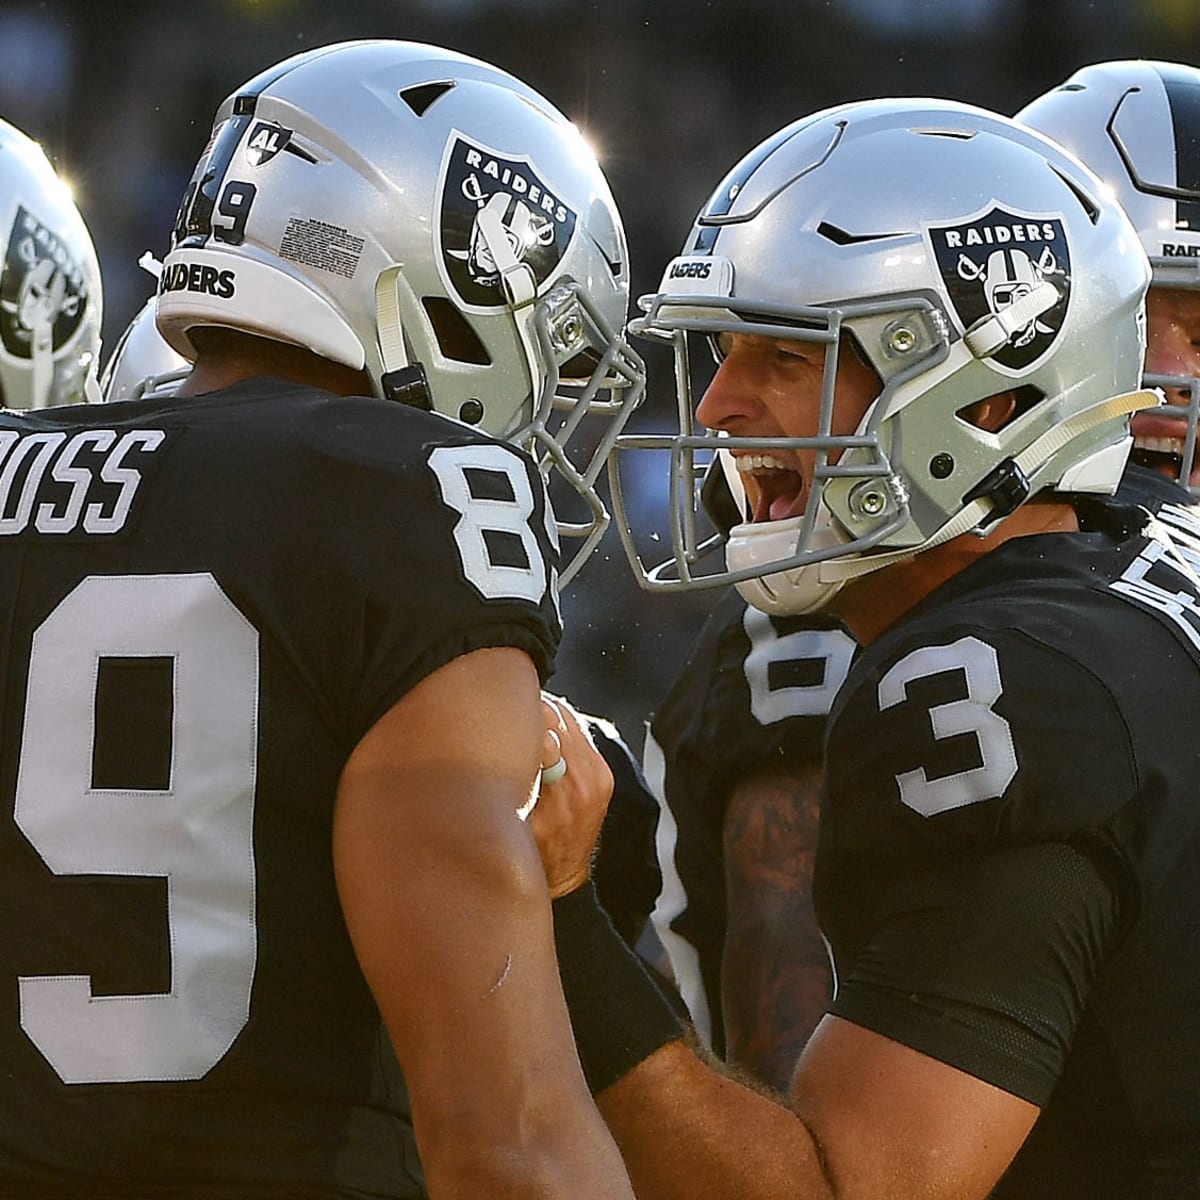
column 872, row 1115
column 448, row 908
column 869, row 1118
column 775, row 975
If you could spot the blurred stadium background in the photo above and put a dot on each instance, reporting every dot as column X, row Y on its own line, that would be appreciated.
column 672, row 92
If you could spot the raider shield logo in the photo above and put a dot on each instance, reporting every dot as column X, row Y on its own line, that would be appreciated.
column 991, row 260
column 43, row 294
column 535, row 224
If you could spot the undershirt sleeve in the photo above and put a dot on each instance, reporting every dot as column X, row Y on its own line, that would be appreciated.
column 985, row 963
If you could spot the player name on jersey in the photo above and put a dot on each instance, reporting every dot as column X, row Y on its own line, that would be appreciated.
column 55, row 482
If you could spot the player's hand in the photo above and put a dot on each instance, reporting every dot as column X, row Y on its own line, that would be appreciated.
column 570, row 806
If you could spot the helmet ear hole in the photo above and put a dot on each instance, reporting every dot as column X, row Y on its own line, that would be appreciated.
column 580, row 366
column 455, row 337
column 996, row 412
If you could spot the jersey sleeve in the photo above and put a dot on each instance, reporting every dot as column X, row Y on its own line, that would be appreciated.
column 985, row 963
column 625, row 868
column 756, row 689
column 980, row 738
column 441, row 542
column 969, row 877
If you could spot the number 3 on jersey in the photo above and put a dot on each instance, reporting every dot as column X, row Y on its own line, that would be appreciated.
column 196, row 831
column 972, row 714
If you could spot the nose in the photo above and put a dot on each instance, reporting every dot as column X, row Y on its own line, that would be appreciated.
column 731, row 398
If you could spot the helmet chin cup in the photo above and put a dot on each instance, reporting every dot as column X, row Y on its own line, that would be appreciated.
column 790, row 592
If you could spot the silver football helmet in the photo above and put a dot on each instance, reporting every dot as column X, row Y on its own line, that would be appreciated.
column 1136, row 124
column 50, row 294
column 143, row 365
column 965, row 256
column 428, row 217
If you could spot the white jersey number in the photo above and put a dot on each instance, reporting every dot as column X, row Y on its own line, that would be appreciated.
column 197, row 832
column 972, row 714
column 506, row 517
column 771, row 701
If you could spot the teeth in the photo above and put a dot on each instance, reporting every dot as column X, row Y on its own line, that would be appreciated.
column 1161, row 445
column 760, row 462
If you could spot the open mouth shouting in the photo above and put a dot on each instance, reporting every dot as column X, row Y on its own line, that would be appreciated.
column 1159, row 442
column 775, row 490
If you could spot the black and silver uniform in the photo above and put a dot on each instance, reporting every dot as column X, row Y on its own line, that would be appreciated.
column 755, row 690
column 1008, row 869
column 206, row 604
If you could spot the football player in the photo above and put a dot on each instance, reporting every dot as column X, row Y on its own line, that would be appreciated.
column 733, row 753
column 626, row 870
column 1136, row 124
column 734, row 749
column 924, row 390
column 272, row 664
column 50, row 296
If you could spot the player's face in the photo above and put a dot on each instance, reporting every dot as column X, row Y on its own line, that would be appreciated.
column 1172, row 348
column 771, row 387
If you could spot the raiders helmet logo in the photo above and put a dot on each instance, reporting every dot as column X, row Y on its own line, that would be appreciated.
column 43, row 294
column 988, row 262
column 520, row 206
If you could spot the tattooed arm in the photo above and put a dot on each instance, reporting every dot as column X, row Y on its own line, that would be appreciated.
column 775, row 974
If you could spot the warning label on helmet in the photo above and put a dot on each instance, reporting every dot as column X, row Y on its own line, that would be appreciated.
column 321, row 245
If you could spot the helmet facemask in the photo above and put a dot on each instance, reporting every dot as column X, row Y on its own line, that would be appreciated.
column 858, row 460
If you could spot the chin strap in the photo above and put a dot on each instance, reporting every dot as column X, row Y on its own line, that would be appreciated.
column 42, row 356
column 994, row 332
column 1025, row 464
column 519, row 286
column 389, row 328
column 399, row 379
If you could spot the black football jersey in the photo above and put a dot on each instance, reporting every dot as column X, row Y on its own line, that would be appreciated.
column 206, row 603
column 1008, row 869
column 755, row 690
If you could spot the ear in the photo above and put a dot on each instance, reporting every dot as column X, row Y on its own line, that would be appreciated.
column 992, row 413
